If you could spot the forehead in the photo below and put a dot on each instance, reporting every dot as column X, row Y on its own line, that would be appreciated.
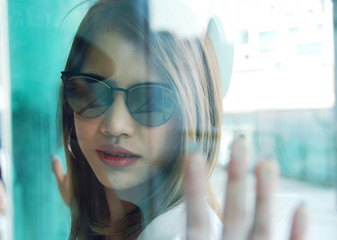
column 114, row 56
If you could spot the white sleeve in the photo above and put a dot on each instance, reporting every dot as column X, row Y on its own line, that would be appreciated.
column 171, row 225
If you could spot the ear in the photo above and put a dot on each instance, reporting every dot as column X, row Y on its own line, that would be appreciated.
column 224, row 48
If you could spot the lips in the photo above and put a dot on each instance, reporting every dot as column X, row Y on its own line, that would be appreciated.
column 116, row 156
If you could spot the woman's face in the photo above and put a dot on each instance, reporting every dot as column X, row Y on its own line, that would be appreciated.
column 122, row 152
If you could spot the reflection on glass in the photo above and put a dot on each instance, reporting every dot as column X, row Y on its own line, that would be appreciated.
column 133, row 102
column 141, row 91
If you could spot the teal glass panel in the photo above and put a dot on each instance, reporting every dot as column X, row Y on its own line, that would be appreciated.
column 38, row 48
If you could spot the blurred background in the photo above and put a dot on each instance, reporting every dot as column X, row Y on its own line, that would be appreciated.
column 281, row 97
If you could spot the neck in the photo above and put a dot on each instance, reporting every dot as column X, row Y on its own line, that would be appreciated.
column 116, row 206
column 122, row 201
column 143, row 194
column 119, row 209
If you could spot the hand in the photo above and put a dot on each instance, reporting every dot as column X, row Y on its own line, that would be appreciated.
column 61, row 178
column 235, row 206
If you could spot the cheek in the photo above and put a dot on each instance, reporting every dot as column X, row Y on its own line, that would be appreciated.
column 85, row 128
column 162, row 142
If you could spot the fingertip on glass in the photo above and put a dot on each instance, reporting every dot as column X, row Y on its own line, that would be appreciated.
column 239, row 150
column 267, row 170
column 53, row 157
column 301, row 215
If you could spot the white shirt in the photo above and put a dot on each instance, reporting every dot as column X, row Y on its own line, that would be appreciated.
column 171, row 225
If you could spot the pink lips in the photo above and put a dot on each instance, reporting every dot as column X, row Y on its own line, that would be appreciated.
column 116, row 156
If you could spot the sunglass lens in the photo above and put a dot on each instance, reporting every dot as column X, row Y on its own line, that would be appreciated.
column 86, row 96
column 151, row 105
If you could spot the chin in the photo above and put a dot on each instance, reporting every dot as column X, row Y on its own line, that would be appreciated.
column 124, row 185
column 120, row 182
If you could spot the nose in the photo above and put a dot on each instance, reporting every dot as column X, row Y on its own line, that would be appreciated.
column 117, row 119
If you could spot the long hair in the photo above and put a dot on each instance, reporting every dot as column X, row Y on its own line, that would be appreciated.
column 189, row 66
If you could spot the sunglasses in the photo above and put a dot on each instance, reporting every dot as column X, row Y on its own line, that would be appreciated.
column 150, row 104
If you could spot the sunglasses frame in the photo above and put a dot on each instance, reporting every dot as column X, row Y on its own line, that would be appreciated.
column 68, row 75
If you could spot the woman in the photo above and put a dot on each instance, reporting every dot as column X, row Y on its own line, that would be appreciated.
column 141, row 115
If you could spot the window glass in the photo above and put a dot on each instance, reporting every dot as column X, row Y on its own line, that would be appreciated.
column 268, row 41
column 101, row 96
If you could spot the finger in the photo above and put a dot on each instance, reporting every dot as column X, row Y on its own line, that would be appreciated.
column 57, row 168
column 195, row 192
column 234, row 213
column 300, row 224
column 61, row 178
column 266, row 176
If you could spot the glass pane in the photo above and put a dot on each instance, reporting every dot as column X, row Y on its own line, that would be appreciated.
column 282, row 98
column 255, row 73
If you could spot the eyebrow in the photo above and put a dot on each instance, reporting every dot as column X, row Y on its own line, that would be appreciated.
column 112, row 81
column 93, row 75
